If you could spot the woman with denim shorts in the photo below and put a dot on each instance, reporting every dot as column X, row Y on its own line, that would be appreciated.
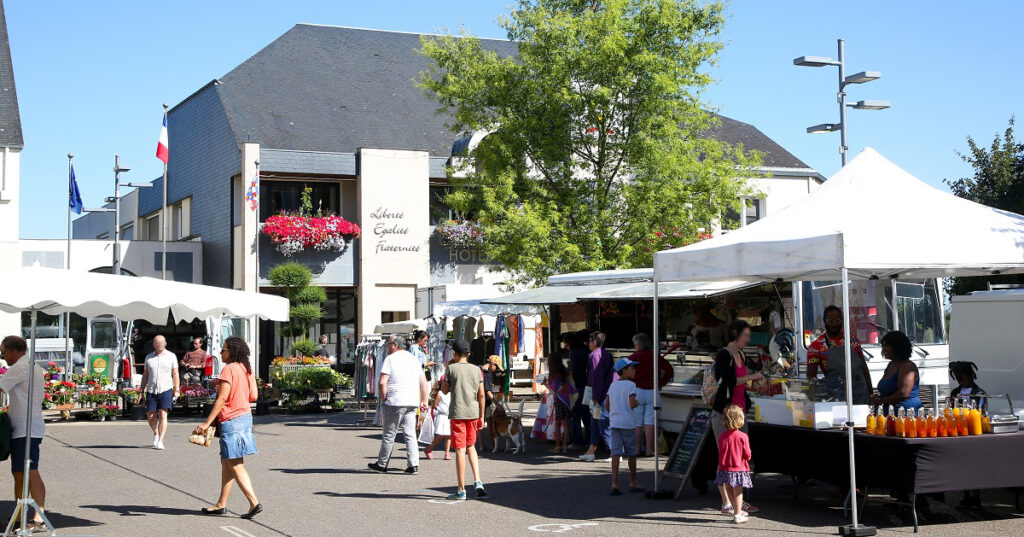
column 235, row 390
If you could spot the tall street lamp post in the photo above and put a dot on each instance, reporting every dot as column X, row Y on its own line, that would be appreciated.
column 858, row 78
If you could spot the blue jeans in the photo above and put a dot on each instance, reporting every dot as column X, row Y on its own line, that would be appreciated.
column 599, row 430
column 579, row 423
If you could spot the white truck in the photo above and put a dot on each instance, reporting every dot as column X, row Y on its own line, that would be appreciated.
column 983, row 326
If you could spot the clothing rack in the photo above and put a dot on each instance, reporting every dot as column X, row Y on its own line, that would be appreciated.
column 366, row 349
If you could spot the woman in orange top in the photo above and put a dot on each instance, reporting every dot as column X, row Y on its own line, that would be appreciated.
column 235, row 390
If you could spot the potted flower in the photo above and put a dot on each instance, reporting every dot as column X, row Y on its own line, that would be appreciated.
column 102, row 412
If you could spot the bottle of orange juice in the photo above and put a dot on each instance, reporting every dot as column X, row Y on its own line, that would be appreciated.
column 881, row 424
column 940, row 424
column 901, row 423
column 974, row 420
column 931, row 424
column 951, row 427
column 910, row 425
column 986, row 422
column 922, row 423
column 871, row 421
column 961, row 420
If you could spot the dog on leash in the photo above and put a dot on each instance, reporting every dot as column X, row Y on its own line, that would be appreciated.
column 507, row 426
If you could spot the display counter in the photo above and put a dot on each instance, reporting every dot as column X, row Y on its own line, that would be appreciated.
column 909, row 466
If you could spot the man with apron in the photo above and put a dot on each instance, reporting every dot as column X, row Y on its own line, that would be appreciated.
column 826, row 354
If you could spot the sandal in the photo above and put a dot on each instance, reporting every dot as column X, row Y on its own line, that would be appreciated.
column 37, row 527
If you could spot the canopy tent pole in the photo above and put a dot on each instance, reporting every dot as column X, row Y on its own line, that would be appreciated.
column 855, row 528
column 26, row 501
column 657, row 401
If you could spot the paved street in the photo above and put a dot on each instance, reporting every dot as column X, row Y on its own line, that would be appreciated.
column 310, row 475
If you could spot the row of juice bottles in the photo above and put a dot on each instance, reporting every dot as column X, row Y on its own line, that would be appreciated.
column 956, row 420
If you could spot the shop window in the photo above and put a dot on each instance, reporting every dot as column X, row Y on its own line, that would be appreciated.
column 153, row 228
column 128, row 232
column 285, row 197
column 393, row 316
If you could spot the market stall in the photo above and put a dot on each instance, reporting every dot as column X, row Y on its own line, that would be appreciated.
column 858, row 225
column 39, row 290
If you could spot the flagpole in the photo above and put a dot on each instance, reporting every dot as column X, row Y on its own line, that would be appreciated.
column 163, row 217
column 257, row 345
column 67, row 316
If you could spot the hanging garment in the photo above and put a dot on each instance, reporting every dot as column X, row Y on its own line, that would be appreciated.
column 480, row 326
column 470, row 330
column 520, row 335
column 459, row 328
column 512, row 321
column 499, row 335
column 478, row 351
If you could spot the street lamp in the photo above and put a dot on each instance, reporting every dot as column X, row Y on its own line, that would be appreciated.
column 858, row 78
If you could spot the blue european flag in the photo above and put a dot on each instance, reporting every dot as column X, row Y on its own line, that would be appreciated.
column 74, row 197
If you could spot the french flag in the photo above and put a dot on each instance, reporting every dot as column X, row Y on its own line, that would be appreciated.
column 161, row 146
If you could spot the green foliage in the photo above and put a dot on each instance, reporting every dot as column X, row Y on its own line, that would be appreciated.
column 305, row 299
column 306, row 313
column 304, row 347
column 314, row 378
column 306, row 201
column 290, row 275
column 598, row 135
column 316, row 295
column 998, row 181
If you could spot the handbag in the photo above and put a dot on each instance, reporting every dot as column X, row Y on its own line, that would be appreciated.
column 203, row 440
column 709, row 386
column 5, row 436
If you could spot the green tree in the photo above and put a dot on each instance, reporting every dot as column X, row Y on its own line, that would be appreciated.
column 306, row 301
column 598, row 145
column 998, row 181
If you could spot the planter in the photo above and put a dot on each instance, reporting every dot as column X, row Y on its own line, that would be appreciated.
column 138, row 413
column 101, row 418
column 113, row 417
column 65, row 415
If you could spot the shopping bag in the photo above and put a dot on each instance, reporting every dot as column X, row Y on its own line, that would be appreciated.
column 427, row 430
column 5, row 436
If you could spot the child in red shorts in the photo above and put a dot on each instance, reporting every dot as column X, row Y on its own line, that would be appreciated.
column 465, row 382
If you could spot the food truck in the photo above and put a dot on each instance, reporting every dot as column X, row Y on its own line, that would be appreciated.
column 695, row 316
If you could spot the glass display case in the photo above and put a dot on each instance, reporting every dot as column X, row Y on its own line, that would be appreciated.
column 799, row 403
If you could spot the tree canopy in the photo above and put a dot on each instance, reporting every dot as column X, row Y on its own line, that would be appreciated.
column 598, row 150
column 998, row 181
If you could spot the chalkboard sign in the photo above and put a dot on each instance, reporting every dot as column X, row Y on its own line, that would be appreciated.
column 688, row 444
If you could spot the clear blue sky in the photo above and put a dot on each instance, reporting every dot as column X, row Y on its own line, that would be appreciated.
column 91, row 76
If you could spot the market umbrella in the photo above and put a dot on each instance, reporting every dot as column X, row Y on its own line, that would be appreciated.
column 41, row 290
column 871, row 220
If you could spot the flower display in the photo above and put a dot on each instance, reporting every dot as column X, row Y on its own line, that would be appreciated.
column 464, row 234
column 60, row 392
column 107, row 410
column 131, row 395
column 291, row 234
column 194, row 391
column 300, row 360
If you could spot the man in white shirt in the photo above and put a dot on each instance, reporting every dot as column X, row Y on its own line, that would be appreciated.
column 160, row 381
column 15, row 384
column 403, row 387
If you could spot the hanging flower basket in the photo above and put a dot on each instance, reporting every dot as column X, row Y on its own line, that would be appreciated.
column 461, row 234
column 292, row 234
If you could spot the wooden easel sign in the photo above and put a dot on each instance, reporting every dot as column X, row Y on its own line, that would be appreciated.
column 688, row 444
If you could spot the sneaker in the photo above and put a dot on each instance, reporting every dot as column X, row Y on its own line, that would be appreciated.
column 413, row 470
column 740, row 518
column 727, row 510
column 377, row 468
column 429, row 454
column 747, row 508
column 156, row 440
column 480, row 492
column 160, row 445
column 457, row 495
column 588, row 458
column 447, row 456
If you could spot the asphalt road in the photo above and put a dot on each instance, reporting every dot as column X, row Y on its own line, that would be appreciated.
column 105, row 479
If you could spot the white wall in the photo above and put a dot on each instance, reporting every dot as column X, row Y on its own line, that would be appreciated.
column 780, row 190
column 136, row 256
column 394, row 253
column 9, row 226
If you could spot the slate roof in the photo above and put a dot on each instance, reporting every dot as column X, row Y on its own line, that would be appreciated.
column 10, row 118
column 773, row 154
column 337, row 89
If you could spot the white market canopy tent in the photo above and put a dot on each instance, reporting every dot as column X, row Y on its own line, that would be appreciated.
column 626, row 284
column 476, row 308
column 401, row 327
column 90, row 294
column 872, row 218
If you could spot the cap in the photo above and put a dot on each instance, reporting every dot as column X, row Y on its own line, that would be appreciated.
column 461, row 347
column 623, row 363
